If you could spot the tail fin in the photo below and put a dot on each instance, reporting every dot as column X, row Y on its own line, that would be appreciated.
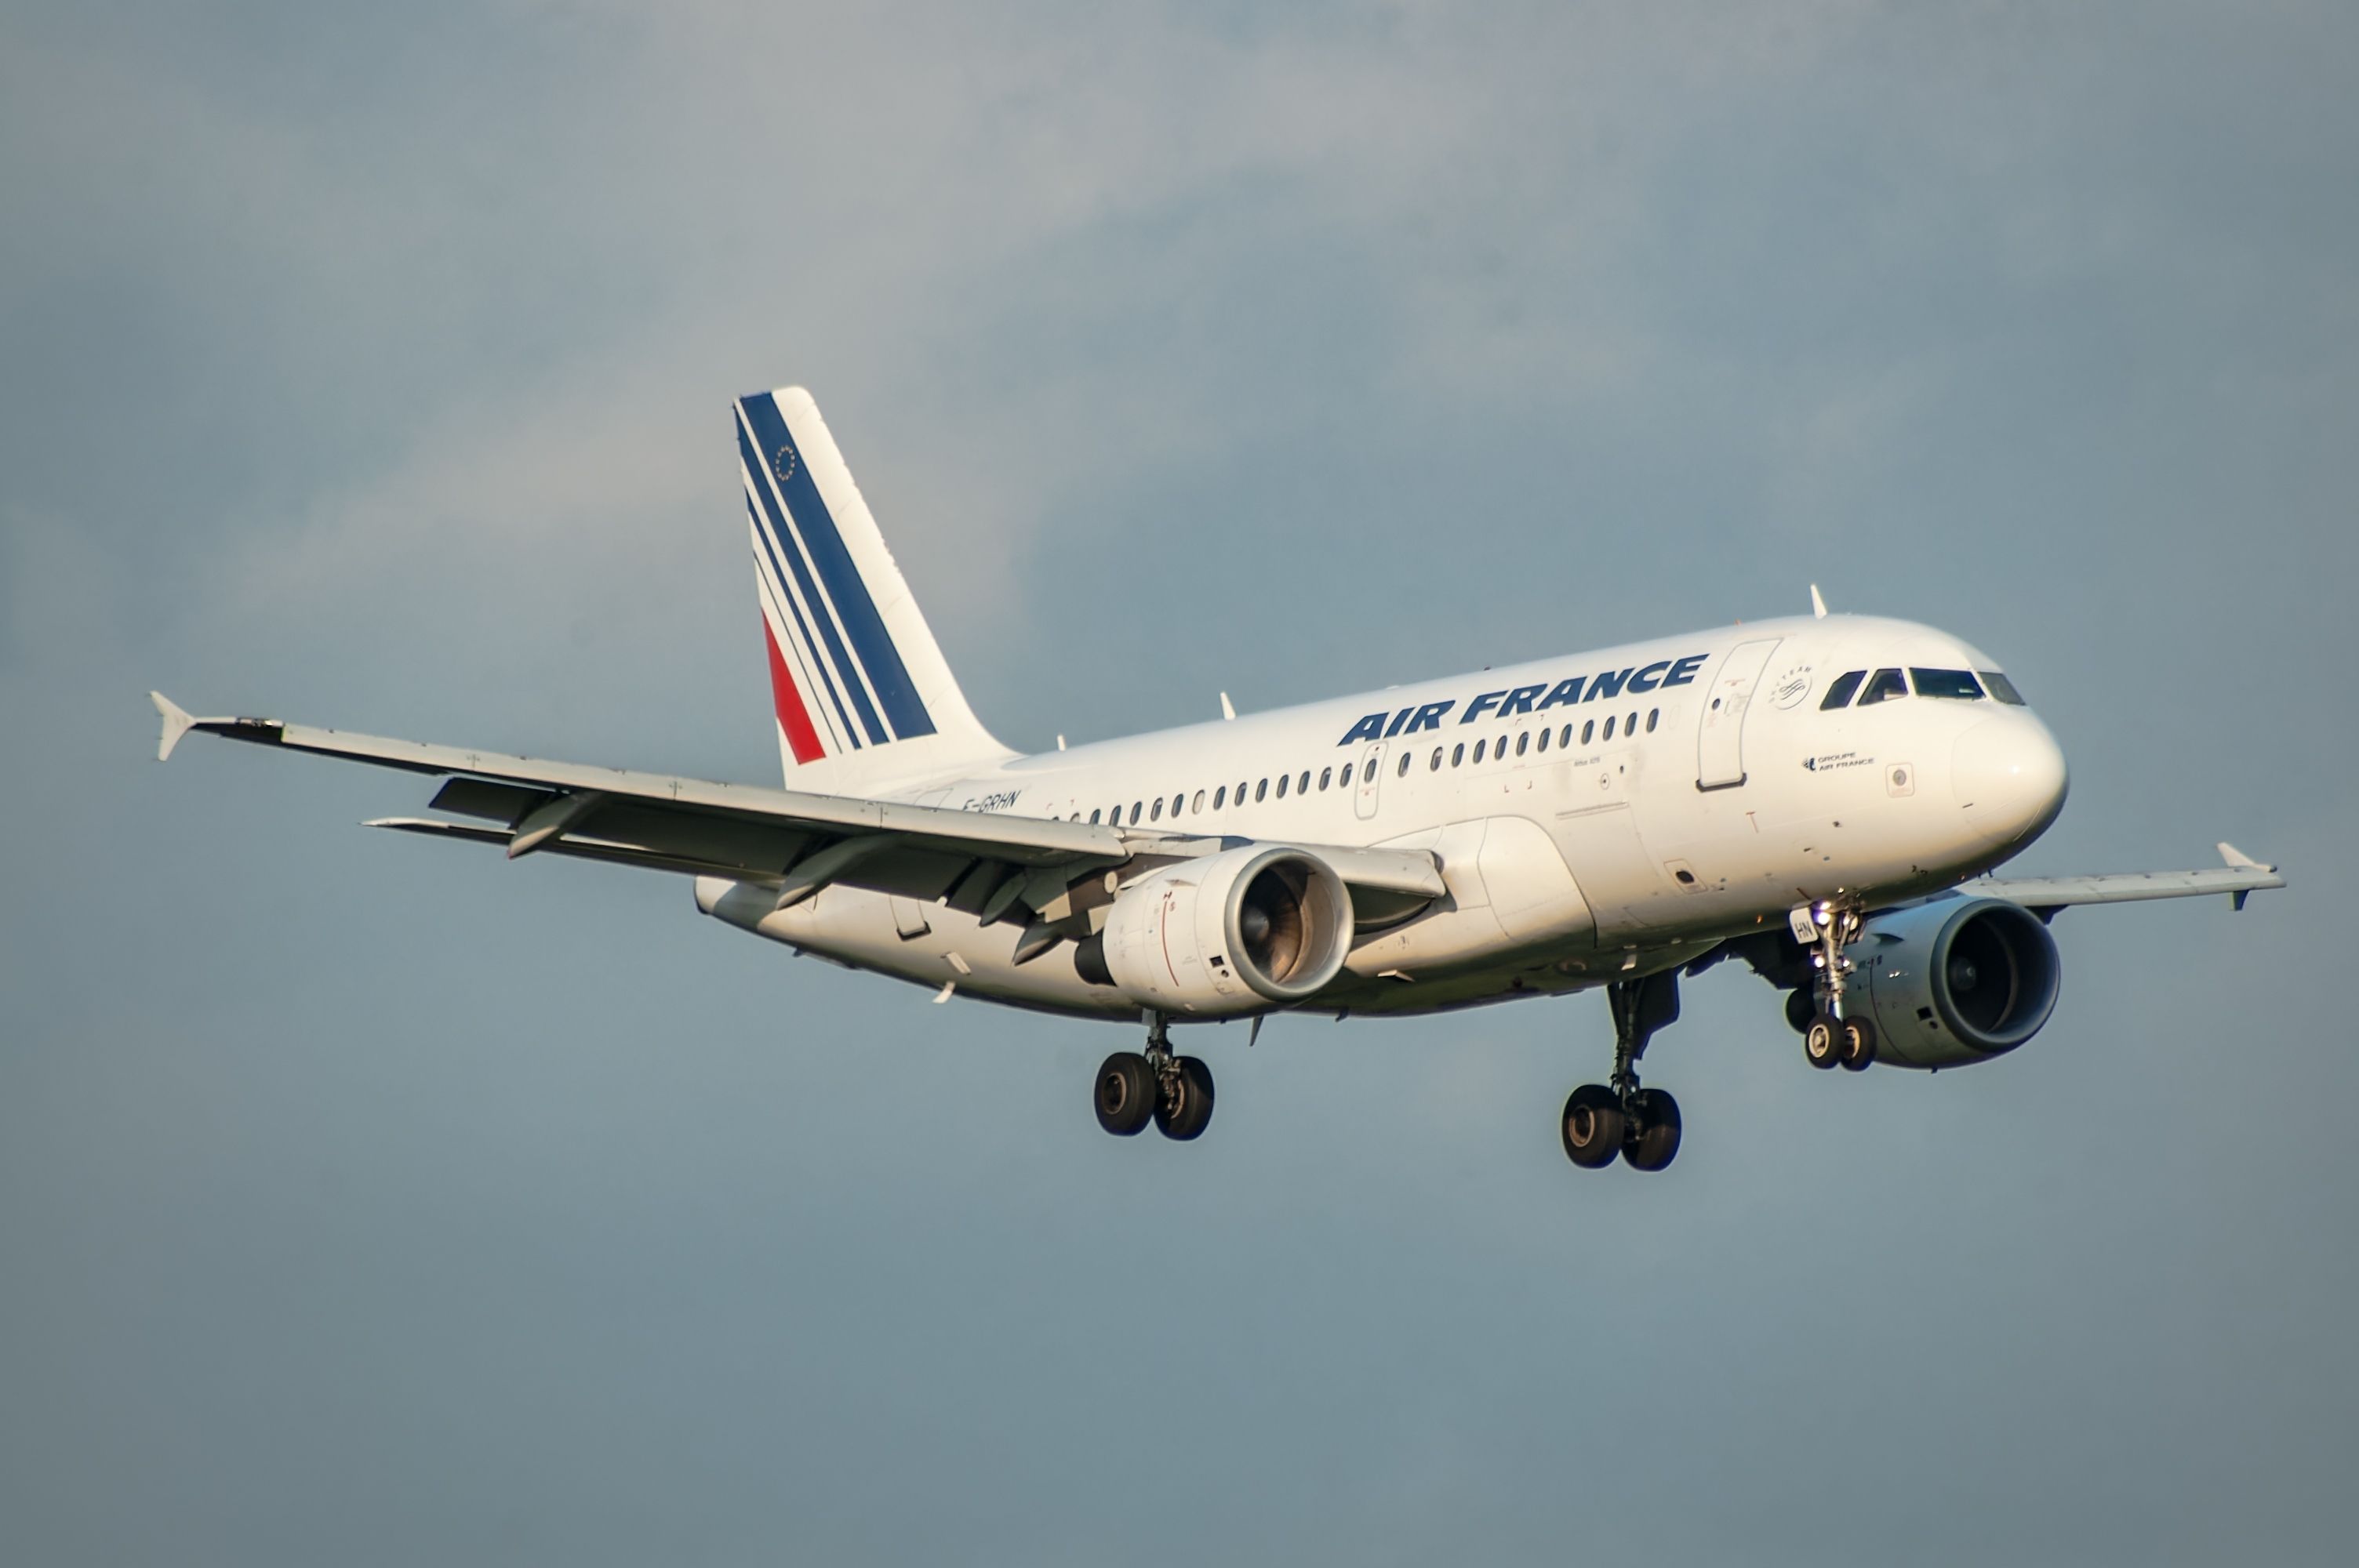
column 862, row 696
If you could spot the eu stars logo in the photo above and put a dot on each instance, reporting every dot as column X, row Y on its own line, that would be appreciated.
column 783, row 464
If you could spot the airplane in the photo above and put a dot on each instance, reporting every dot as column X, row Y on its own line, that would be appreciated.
column 1823, row 797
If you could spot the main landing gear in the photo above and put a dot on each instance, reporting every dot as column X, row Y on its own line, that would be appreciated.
column 1620, row 1120
column 1832, row 1035
column 1173, row 1092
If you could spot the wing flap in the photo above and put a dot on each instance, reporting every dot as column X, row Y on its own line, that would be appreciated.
column 580, row 848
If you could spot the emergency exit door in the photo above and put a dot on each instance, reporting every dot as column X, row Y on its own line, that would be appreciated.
column 1719, row 744
column 1370, row 772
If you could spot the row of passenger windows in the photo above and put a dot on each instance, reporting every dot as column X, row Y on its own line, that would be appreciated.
column 1962, row 685
column 1153, row 810
column 1563, row 738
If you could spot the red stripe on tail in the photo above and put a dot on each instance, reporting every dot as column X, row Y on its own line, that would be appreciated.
column 801, row 736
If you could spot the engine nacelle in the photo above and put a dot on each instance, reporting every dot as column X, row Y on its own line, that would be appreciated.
column 1955, row 981
column 1227, row 934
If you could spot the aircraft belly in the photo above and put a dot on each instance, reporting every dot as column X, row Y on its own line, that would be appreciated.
column 875, row 932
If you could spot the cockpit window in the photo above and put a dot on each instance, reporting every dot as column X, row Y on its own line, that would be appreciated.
column 1999, row 687
column 1959, row 684
column 1839, row 694
column 1882, row 686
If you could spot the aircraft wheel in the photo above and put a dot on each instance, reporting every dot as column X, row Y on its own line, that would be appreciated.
column 1184, row 1107
column 1126, row 1092
column 1857, row 1040
column 1593, row 1127
column 1652, row 1138
column 1822, row 1042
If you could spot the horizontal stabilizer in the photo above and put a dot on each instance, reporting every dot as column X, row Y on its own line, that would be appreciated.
column 177, row 723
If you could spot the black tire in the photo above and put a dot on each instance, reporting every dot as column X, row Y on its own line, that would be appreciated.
column 1822, row 1042
column 1801, row 1007
column 1593, row 1127
column 1127, row 1094
column 1858, row 1045
column 1183, row 1108
column 1652, row 1139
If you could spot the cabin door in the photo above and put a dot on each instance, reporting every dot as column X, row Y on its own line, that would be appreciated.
column 1719, row 743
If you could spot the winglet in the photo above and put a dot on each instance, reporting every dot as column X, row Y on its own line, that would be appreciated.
column 2235, row 857
column 176, row 724
column 1817, row 605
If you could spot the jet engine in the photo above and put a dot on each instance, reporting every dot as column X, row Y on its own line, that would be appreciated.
column 1224, row 934
column 1957, row 980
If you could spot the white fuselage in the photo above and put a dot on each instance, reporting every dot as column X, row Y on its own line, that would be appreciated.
column 1586, row 830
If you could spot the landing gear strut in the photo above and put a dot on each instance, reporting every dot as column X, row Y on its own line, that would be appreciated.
column 1619, row 1117
column 1136, row 1087
column 1835, row 1036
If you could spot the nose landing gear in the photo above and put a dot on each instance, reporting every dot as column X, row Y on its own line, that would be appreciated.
column 1835, row 1036
column 1620, row 1120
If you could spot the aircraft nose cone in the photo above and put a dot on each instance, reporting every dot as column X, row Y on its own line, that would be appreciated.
column 2009, row 774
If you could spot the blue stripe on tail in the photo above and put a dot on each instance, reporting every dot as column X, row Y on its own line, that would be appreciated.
column 777, row 581
column 847, row 591
column 756, row 474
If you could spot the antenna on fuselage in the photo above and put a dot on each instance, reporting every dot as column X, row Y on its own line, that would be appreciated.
column 1817, row 605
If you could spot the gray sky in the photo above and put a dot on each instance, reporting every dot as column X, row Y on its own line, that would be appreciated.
column 368, row 1201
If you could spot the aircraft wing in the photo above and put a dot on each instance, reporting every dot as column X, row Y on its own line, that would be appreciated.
column 2238, row 877
column 983, row 862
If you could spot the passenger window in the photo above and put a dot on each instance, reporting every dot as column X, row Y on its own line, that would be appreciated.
column 1368, row 771
column 1241, row 792
column 1302, row 784
column 1478, row 748
column 1653, row 716
column 1322, row 777
column 1565, row 738
column 1282, row 782
column 1524, row 743
column 1401, row 771
column 1630, row 722
column 1588, row 732
column 1219, row 798
column 1135, row 807
column 1959, row 684
column 1261, row 791
column 1609, row 727
column 1458, row 753
column 1094, row 817
column 1157, row 815
column 1882, row 686
column 1199, row 800
column 1437, row 760
column 1543, row 738
column 1839, row 693
column 1999, row 687
column 1177, row 801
